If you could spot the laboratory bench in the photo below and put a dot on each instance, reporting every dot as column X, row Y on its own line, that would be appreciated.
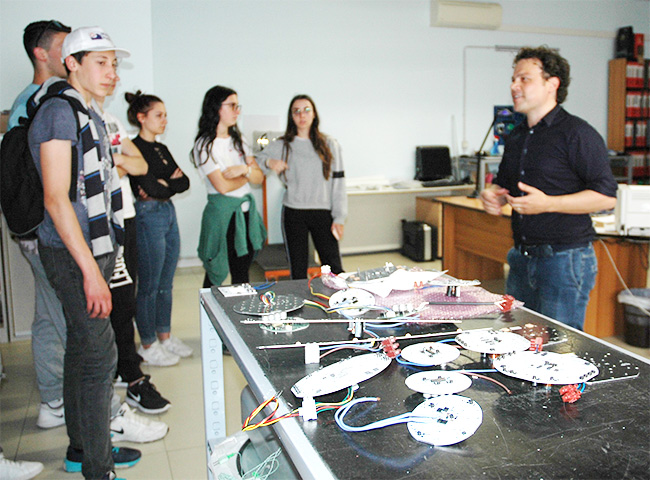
column 529, row 433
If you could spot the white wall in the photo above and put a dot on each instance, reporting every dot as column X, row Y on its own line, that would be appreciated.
column 384, row 81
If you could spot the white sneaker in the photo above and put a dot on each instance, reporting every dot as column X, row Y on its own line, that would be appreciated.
column 11, row 470
column 119, row 383
column 128, row 426
column 176, row 346
column 51, row 414
column 157, row 355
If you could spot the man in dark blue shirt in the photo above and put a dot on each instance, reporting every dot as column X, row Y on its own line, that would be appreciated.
column 554, row 173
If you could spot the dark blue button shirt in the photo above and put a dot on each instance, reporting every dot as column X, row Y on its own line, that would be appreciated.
column 561, row 154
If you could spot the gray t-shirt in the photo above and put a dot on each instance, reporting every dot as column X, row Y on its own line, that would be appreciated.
column 55, row 121
column 307, row 189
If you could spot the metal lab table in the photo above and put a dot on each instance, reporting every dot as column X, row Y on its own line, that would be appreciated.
column 529, row 434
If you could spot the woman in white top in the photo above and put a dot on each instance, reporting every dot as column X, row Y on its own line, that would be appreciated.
column 232, row 229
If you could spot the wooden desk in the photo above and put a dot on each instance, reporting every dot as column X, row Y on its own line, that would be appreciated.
column 374, row 222
column 475, row 246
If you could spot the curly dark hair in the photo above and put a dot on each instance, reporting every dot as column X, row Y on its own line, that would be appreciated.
column 209, row 120
column 553, row 65
column 139, row 103
column 318, row 140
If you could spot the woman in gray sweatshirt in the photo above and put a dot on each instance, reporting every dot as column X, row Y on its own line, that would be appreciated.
column 310, row 166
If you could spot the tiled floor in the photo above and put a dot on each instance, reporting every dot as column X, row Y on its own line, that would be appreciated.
column 180, row 455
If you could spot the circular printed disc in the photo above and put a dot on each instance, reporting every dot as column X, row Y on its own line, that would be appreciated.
column 453, row 418
column 430, row 353
column 281, row 303
column 492, row 341
column 356, row 301
column 340, row 375
column 546, row 367
column 438, row 382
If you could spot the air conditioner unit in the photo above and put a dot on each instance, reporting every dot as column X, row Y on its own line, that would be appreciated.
column 479, row 15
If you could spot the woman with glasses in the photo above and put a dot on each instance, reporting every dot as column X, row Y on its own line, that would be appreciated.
column 310, row 166
column 232, row 230
column 158, row 238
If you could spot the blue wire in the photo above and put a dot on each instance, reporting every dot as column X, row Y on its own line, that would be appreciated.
column 401, row 360
column 403, row 418
column 265, row 286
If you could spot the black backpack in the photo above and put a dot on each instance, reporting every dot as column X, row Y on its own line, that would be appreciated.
column 21, row 191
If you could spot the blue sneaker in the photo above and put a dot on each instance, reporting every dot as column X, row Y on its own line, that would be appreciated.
column 122, row 458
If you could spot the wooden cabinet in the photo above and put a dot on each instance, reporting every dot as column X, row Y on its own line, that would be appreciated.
column 629, row 114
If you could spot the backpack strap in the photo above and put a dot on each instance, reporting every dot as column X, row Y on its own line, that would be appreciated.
column 56, row 90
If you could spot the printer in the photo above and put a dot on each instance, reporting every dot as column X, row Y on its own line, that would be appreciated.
column 633, row 210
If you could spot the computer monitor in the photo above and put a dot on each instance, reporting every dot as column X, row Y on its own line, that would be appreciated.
column 432, row 163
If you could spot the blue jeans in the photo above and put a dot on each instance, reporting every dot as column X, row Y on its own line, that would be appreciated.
column 90, row 361
column 158, row 241
column 48, row 329
column 557, row 286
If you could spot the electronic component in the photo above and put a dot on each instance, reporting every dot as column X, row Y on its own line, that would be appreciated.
column 280, row 303
column 452, row 419
column 372, row 274
column 438, row 382
column 340, row 375
column 492, row 341
column 353, row 302
column 430, row 353
column 390, row 347
column 548, row 368
column 570, row 393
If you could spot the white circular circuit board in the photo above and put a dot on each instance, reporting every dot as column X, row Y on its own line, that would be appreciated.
column 492, row 341
column 353, row 301
column 546, row 367
column 340, row 375
column 430, row 353
column 453, row 418
column 281, row 303
column 438, row 382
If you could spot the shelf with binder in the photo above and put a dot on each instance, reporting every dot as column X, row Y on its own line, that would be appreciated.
column 630, row 168
column 628, row 119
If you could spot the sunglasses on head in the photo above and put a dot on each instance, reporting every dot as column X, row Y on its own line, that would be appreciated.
column 51, row 25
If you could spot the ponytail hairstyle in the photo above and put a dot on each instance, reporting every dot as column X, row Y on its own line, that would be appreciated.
column 318, row 140
column 139, row 103
column 209, row 120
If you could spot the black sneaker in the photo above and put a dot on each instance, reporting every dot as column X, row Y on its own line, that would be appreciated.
column 144, row 396
column 122, row 458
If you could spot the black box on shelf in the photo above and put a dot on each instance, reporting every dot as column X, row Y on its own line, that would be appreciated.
column 419, row 241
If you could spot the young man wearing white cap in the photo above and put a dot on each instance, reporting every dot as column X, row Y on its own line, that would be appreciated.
column 78, row 242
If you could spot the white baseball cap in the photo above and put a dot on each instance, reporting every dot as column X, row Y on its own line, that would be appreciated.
column 90, row 39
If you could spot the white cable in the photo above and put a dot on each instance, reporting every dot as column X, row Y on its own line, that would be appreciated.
column 620, row 278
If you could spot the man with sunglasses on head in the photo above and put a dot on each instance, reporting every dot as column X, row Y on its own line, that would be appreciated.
column 43, row 41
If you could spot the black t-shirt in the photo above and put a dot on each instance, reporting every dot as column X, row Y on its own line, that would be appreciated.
column 562, row 154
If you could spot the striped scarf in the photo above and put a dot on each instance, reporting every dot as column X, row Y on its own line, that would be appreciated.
column 103, row 195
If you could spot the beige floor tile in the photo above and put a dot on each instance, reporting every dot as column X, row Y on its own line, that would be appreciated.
column 154, row 466
column 189, row 463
